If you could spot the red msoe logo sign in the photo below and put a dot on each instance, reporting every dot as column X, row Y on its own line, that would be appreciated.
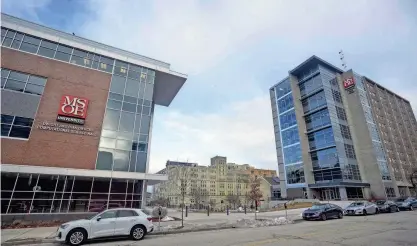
column 349, row 82
column 72, row 109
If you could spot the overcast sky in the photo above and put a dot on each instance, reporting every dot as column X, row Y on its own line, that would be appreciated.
column 233, row 51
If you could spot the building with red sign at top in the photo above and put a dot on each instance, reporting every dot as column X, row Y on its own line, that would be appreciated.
column 76, row 121
column 340, row 135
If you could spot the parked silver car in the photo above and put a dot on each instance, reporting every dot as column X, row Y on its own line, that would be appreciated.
column 361, row 208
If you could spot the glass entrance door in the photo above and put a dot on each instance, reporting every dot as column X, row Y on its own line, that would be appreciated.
column 330, row 194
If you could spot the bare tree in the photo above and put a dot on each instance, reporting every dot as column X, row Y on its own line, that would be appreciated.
column 232, row 199
column 255, row 193
column 199, row 195
column 160, row 201
column 180, row 178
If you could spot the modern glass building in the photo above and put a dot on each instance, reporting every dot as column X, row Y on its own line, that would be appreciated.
column 328, row 136
column 76, row 121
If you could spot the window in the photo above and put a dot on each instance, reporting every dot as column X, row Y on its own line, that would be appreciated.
column 108, row 215
column 345, row 131
column 22, row 82
column 126, row 213
column 350, row 151
column 390, row 191
column 326, row 158
column 285, row 103
column 321, row 139
column 288, row 119
column 292, row 154
column 311, row 85
column 317, row 119
column 341, row 113
column 16, row 127
column 283, row 88
column 290, row 136
column 295, row 174
column 337, row 97
column 315, row 101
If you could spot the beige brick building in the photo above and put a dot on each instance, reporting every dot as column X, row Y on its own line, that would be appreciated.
column 214, row 184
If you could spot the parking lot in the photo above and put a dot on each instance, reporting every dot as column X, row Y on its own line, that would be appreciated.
column 382, row 230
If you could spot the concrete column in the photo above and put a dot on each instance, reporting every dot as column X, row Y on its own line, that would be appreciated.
column 343, row 194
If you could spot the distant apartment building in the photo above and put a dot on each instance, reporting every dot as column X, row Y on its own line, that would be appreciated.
column 209, row 184
column 340, row 135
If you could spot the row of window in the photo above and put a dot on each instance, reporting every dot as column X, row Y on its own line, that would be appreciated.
column 22, row 82
column 341, row 114
column 317, row 120
column 131, row 88
column 283, row 88
column 120, row 160
column 326, row 158
column 350, row 151
column 39, row 193
column 21, row 41
column 295, row 174
column 321, row 139
column 292, row 154
column 287, row 119
column 337, row 97
column 121, row 121
column 315, row 101
column 290, row 136
column 311, row 85
column 285, row 103
column 345, row 131
column 15, row 127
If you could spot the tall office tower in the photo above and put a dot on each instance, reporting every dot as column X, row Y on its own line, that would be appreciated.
column 340, row 135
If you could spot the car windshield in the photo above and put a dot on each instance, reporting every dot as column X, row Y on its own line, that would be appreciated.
column 318, row 206
column 380, row 202
column 356, row 204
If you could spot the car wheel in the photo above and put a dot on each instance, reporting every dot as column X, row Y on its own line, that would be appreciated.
column 340, row 215
column 138, row 232
column 364, row 212
column 76, row 237
column 323, row 217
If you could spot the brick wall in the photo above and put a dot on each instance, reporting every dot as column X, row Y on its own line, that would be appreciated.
column 57, row 149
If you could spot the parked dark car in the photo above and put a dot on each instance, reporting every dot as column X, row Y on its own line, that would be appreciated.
column 386, row 206
column 323, row 212
column 409, row 203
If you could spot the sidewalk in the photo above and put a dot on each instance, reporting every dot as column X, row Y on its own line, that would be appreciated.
column 194, row 222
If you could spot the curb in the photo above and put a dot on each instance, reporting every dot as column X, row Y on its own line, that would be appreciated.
column 152, row 234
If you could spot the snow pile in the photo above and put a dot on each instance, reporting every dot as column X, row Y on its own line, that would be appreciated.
column 167, row 218
column 262, row 222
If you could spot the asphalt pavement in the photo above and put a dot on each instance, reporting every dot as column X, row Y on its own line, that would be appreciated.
column 381, row 230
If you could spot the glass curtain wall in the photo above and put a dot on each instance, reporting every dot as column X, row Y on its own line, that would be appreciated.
column 125, row 136
column 290, row 138
column 39, row 193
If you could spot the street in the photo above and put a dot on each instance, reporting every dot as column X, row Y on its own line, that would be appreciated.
column 382, row 230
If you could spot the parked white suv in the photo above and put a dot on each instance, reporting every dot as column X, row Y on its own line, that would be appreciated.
column 113, row 222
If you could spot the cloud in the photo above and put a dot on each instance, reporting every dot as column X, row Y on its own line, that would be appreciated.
column 242, row 131
column 29, row 9
column 197, row 35
column 244, row 47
